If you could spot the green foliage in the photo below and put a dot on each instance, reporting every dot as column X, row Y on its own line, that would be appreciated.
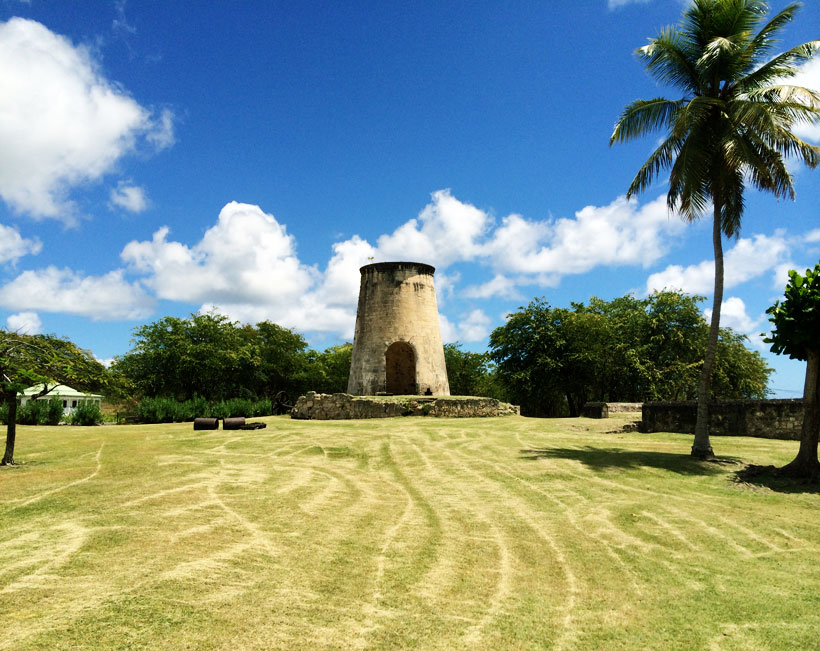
column 27, row 360
column 733, row 123
column 210, row 356
column 326, row 372
column 796, row 320
column 86, row 413
column 553, row 360
column 168, row 410
column 41, row 412
column 471, row 374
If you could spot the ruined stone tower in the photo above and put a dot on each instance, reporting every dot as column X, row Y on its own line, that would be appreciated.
column 397, row 346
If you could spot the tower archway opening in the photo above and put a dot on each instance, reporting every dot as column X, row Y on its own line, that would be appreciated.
column 400, row 367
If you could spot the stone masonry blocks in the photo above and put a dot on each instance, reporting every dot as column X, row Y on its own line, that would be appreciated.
column 397, row 345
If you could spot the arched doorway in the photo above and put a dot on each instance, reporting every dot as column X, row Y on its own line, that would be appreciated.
column 400, row 362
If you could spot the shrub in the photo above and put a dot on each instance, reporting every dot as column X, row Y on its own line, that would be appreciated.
column 4, row 414
column 53, row 412
column 167, row 410
column 40, row 412
column 157, row 410
column 87, row 413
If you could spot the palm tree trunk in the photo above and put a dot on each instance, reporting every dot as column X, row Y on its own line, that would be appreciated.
column 11, row 429
column 805, row 464
column 701, row 447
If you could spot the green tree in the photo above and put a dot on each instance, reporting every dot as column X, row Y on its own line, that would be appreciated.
column 283, row 357
column 525, row 350
column 471, row 374
column 326, row 372
column 796, row 324
column 26, row 360
column 732, row 126
column 553, row 360
column 206, row 355
column 210, row 356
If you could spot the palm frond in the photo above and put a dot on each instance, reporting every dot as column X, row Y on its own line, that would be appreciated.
column 782, row 66
column 688, row 179
column 731, row 200
column 661, row 158
column 669, row 60
column 765, row 39
column 787, row 95
column 644, row 116
column 734, row 127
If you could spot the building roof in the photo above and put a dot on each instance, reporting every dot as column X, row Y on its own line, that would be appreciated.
column 61, row 391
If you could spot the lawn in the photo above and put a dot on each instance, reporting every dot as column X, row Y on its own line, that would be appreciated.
column 399, row 533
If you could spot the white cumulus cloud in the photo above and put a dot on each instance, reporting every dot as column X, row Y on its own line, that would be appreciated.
column 748, row 258
column 808, row 77
column 107, row 297
column 621, row 233
column 26, row 323
column 475, row 326
column 733, row 315
column 446, row 231
column 14, row 246
column 500, row 286
column 63, row 122
column 246, row 257
column 247, row 267
column 129, row 197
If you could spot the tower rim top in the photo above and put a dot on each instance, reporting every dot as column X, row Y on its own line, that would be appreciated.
column 376, row 267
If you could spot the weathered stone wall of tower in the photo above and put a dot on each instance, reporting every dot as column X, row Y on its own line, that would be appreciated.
column 397, row 303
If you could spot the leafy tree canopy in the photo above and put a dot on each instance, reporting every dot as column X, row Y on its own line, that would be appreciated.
column 26, row 360
column 471, row 374
column 553, row 360
column 796, row 324
column 796, row 319
column 210, row 356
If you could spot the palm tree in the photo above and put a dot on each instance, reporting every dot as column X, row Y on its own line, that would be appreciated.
column 732, row 127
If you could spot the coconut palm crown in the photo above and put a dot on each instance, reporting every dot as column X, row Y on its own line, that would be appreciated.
column 732, row 127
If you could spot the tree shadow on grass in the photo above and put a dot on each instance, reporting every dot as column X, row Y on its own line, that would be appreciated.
column 773, row 479
column 606, row 458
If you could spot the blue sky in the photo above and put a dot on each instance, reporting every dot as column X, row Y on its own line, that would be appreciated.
column 158, row 158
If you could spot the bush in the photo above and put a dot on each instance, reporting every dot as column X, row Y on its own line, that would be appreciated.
column 87, row 413
column 40, row 412
column 4, row 414
column 168, row 410
column 159, row 410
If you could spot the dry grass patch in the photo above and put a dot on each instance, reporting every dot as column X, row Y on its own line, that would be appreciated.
column 464, row 533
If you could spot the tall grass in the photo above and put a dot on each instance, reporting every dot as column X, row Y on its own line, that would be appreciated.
column 168, row 410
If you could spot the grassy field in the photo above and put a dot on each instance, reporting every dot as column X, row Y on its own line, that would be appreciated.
column 398, row 533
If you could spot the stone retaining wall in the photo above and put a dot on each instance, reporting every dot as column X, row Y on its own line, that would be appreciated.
column 774, row 419
column 343, row 406
column 604, row 409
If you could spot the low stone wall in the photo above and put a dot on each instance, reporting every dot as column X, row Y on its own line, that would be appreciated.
column 343, row 406
column 604, row 409
column 772, row 419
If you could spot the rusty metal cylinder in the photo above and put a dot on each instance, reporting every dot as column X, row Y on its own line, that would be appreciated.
column 206, row 423
column 237, row 422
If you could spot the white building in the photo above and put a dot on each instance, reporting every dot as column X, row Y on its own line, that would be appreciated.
column 71, row 397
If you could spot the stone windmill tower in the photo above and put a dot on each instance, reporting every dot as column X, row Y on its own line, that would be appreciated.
column 397, row 345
